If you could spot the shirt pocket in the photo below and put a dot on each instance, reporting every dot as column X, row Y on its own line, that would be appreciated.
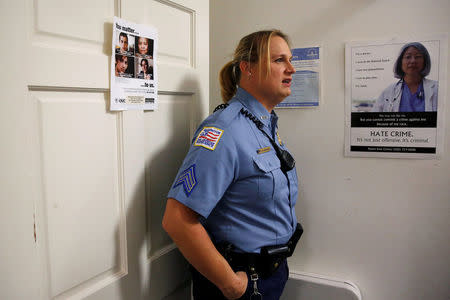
column 267, row 162
column 267, row 170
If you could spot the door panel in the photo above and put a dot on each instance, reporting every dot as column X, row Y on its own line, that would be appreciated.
column 70, row 42
column 81, row 201
column 88, row 16
column 17, row 215
column 179, row 49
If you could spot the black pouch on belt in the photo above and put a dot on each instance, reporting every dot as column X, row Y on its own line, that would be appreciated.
column 295, row 238
column 275, row 254
column 285, row 250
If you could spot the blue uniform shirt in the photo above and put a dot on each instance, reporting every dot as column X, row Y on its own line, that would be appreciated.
column 231, row 176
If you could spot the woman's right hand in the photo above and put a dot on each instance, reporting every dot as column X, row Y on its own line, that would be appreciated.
column 182, row 223
column 239, row 287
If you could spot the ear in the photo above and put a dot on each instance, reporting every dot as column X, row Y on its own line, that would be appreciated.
column 245, row 67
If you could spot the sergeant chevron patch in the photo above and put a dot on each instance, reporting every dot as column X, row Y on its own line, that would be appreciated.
column 209, row 137
column 188, row 180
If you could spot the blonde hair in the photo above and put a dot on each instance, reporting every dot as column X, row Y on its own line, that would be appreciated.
column 252, row 48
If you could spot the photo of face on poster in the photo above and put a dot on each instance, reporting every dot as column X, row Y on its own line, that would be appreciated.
column 413, row 91
column 397, row 77
column 144, row 47
column 125, row 43
column 145, row 68
column 124, row 66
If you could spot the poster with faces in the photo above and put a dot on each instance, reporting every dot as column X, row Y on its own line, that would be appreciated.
column 134, row 77
column 395, row 97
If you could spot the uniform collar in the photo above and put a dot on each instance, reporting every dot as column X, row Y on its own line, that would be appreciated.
column 255, row 107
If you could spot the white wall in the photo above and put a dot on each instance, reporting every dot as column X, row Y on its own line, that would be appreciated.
column 381, row 223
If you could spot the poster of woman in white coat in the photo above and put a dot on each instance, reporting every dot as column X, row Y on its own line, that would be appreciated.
column 413, row 91
column 394, row 99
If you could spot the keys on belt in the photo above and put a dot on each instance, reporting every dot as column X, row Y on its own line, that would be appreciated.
column 267, row 261
column 256, row 295
column 262, row 264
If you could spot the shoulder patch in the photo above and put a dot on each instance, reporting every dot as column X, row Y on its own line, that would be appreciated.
column 209, row 137
column 188, row 180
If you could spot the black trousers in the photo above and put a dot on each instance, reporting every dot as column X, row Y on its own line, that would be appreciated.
column 270, row 288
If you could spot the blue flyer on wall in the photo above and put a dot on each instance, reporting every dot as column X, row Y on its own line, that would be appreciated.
column 306, row 82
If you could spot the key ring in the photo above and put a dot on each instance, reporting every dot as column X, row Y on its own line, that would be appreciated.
column 256, row 294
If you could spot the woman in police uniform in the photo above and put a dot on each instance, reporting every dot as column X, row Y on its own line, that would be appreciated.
column 231, row 208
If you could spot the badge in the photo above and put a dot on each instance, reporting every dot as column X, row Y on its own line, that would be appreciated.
column 209, row 137
column 279, row 139
column 188, row 180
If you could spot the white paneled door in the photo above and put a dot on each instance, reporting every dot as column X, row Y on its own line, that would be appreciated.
column 82, row 188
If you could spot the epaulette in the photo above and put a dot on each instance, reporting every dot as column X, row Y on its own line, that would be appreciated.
column 221, row 106
column 227, row 112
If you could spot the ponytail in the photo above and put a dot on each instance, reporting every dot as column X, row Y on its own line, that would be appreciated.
column 228, row 78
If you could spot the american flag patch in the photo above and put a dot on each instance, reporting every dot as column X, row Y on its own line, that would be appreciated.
column 209, row 137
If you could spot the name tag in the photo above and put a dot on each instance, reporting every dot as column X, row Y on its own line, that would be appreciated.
column 263, row 150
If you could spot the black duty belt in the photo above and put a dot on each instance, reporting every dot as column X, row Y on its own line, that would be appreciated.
column 264, row 263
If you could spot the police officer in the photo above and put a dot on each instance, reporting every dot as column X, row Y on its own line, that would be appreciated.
column 231, row 208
